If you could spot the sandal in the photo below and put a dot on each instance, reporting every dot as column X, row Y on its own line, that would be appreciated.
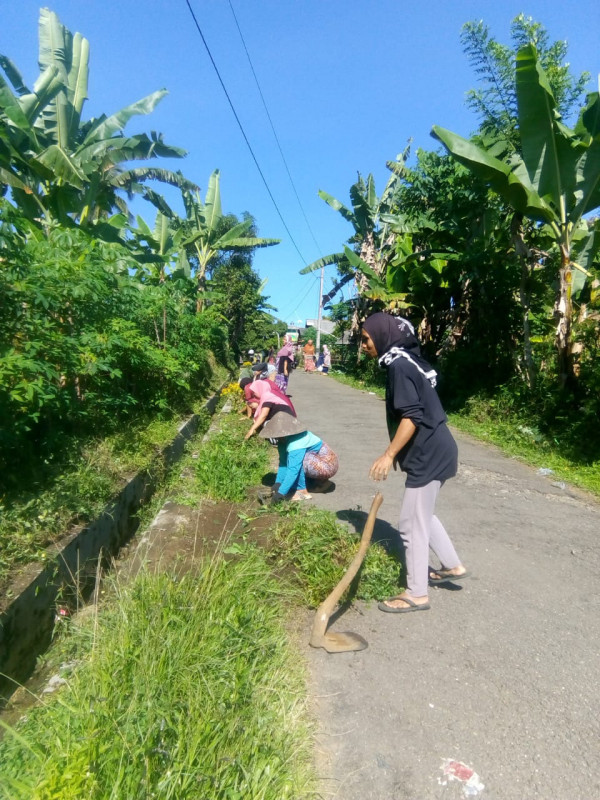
column 445, row 576
column 411, row 605
column 301, row 496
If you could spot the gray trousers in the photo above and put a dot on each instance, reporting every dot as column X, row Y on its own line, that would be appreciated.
column 420, row 530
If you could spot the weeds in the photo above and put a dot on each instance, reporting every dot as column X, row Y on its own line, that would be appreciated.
column 227, row 465
column 317, row 549
column 190, row 689
column 76, row 488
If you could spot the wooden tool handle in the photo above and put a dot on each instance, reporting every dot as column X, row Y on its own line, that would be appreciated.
column 326, row 608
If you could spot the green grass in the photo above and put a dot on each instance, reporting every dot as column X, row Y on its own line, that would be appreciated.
column 358, row 383
column 312, row 545
column 187, row 688
column 225, row 465
column 525, row 442
column 191, row 686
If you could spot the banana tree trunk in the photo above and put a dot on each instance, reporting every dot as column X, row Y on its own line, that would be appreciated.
column 563, row 313
column 528, row 263
column 524, row 299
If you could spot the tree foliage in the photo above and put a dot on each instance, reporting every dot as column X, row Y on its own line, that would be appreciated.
column 495, row 100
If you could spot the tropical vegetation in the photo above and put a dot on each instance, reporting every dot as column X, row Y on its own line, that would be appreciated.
column 107, row 323
column 491, row 247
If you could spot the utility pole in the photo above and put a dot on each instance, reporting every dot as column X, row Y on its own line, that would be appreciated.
column 320, row 315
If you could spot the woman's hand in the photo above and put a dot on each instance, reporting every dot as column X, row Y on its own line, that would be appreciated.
column 262, row 418
column 381, row 467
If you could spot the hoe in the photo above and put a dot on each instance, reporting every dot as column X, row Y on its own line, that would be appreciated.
column 344, row 642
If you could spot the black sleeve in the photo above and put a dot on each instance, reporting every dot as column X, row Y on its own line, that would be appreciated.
column 405, row 395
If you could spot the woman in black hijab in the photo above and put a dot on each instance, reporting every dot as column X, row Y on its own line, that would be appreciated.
column 421, row 443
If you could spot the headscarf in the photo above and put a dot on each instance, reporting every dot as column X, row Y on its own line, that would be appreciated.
column 288, row 348
column 325, row 349
column 269, row 392
column 394, row 337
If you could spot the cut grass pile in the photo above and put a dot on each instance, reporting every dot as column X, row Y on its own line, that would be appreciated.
column 187, row 688
column 312, row 545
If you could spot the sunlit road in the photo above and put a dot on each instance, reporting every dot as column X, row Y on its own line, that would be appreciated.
column 502, row 674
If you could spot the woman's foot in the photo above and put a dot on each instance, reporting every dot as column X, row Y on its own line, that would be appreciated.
column 443, row 575
column 302, row 494
column 404, row 603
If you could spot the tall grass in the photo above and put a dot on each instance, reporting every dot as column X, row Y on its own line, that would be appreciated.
column 190, row 689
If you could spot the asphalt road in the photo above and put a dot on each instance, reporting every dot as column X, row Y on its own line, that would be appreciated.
column 502, row 674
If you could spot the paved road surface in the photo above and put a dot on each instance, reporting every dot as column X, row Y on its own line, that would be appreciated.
column 501, row 674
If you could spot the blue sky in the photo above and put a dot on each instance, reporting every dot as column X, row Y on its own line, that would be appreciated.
column 347, row 85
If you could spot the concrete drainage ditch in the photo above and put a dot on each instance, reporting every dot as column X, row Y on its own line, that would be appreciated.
column 27, row 622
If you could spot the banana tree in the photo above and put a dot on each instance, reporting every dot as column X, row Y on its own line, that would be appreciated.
column 56, row 164
column 209, row 232
column 555, row 182
column 366, row 260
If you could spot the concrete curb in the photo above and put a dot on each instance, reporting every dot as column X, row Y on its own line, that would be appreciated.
column 26, row 625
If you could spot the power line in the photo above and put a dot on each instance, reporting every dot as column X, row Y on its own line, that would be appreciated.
column 274, row 131
column 187, row 2
column 302, row 299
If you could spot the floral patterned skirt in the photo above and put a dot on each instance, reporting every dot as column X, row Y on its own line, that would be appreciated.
column 322, row 465
column 281, row 380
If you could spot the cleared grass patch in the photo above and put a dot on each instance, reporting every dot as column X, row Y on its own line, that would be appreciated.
column 188, row 688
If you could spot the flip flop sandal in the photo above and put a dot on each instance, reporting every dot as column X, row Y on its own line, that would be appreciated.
column 446, row 577
column 298, row 498
column 412, row 606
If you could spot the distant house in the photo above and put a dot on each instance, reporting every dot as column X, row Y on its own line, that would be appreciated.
column 327, row 326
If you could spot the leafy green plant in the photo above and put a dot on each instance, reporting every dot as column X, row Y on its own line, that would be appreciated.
column 553, row 180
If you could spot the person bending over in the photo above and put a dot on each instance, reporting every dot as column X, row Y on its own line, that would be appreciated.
column 422, row 445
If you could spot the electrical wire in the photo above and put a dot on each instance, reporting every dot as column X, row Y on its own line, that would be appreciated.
column 304, row 296
column 283, row 158
column 241, row 127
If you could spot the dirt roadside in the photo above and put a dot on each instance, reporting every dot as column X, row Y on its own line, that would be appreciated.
column 501, row 674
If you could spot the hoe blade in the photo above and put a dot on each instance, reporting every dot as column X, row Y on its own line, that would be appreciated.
column 343, row 642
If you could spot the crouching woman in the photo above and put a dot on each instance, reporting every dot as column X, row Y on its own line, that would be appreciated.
column 302, row 455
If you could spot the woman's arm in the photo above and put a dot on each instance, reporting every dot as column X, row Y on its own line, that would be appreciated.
column 381, row 467
column 262, row 417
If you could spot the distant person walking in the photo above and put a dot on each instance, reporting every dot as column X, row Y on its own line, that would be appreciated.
column 326, row 360
column 421, row 443
column 284, row 364
column 308, row 351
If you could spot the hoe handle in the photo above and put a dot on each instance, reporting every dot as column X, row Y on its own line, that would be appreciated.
column 326, row 608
